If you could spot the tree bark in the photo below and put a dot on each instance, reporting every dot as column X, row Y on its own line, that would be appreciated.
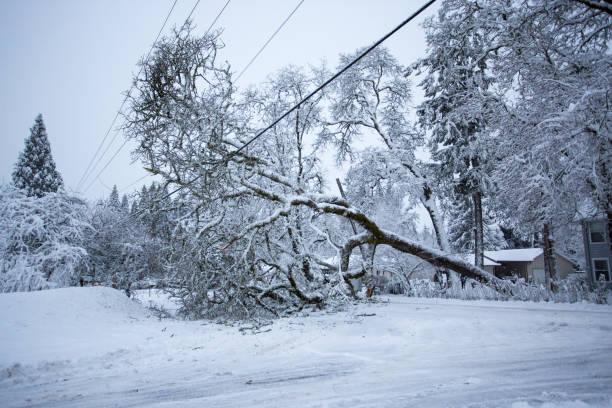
column 478, row 229
column 428, row 201
column 604, row 5
column 549, row 257
column 609, row 215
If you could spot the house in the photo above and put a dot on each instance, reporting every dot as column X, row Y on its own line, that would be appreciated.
column 527, row 263
column 597, row 250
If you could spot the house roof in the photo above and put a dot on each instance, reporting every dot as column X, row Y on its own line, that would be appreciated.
column 469, row 258
column 514, row 255
column 519, row 255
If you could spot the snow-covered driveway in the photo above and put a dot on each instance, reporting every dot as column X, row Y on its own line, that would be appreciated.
column 93, row 347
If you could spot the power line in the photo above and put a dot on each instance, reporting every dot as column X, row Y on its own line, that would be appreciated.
column 104, row 185
column 83, row 177
column 269, row 39
column 116, row 133
column 216, row 18
column 134, row 182
column 330, row 80
column 108, row 146
column 310, row 95
column 105, row 166
column 125, row 100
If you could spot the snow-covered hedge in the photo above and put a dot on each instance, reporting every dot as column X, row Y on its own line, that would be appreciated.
column 570, row 290
column 41, row 240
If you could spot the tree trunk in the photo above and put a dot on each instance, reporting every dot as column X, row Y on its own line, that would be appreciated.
column 366, row 256
column 428, row 201
column 535, row 240
column 549, row 257
column 609, row 213
column 363, row 254
column 478, row 230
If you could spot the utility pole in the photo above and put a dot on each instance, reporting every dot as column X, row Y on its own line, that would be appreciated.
column 351, row 221
column 363, row 254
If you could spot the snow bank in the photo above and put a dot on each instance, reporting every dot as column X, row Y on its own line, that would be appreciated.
column 66, row 323
column 94, row 347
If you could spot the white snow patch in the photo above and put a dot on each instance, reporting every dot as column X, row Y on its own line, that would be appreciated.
column 559, row 404
column 156, row 299
column 65, row 324
column 95, row 347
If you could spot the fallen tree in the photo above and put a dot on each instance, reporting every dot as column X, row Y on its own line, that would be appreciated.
column 254, row 229
column 372, row 235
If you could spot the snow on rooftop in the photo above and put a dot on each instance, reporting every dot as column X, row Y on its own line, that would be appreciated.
column 514, row 255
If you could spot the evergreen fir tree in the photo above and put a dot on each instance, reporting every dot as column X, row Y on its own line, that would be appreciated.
column 125, row 204
column 113, row 199
column 458, row 103
column 35, row 170
column 134, row 209
column 461, row 227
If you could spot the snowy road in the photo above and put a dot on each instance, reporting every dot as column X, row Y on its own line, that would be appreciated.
column 408, row 352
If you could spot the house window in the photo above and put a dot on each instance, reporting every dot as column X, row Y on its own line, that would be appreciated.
column 601, row 269
column 598, row 232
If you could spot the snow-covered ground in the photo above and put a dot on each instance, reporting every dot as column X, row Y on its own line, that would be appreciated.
column 90, row 347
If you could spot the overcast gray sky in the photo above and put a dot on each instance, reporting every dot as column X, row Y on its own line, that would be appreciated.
column 72, row 61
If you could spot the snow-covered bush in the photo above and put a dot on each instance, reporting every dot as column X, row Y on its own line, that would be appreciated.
column 41, row 240
column 119, row 248
column 573, row 289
